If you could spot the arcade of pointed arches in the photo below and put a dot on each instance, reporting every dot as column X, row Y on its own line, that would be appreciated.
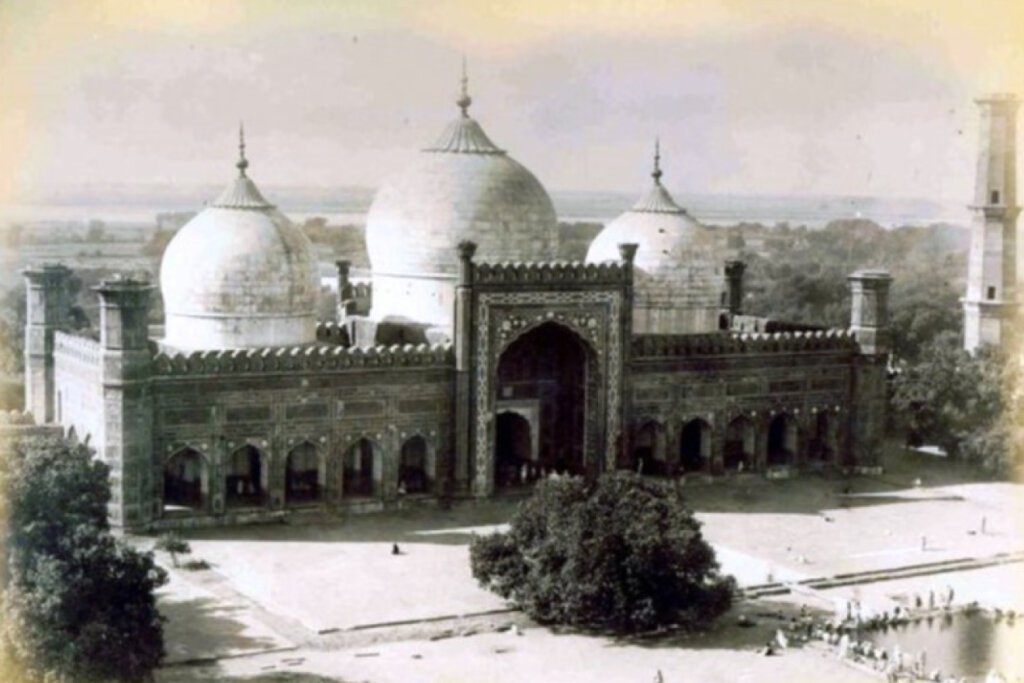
column 188, row 483
column 735, row 442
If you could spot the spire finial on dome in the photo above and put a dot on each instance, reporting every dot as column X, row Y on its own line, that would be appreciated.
column 464, row 99
column 656, row 173
column 243, row 163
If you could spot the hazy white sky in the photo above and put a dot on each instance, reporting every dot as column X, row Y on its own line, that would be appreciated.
column 856, row 97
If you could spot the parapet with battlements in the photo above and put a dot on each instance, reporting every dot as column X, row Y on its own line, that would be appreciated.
column 561, row 272
column 725, row 343
column 301, row 358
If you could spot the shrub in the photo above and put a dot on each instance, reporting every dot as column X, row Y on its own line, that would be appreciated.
column 174, row 545
column 621, row 553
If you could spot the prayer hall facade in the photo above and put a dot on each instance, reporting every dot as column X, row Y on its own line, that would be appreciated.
column 471, row 364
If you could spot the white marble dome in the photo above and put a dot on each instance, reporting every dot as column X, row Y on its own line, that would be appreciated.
column 678, row 280
column 239, row 275
column 461, row 188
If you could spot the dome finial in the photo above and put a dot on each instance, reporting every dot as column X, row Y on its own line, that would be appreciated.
column 656, row 173
column 243, row 163
column 464, row 99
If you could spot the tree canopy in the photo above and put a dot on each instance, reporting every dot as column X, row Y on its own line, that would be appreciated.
column 75, row 604
column 799, row 275
column 620, row 553
column 968, row 404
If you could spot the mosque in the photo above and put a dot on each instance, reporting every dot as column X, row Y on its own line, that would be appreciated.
column 471, row 365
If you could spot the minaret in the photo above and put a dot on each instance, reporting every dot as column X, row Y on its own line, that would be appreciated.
column 991, row 300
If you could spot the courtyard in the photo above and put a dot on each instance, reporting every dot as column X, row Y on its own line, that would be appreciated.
column 328, row 599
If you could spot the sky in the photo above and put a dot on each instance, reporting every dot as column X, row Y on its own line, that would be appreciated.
column 858, row 97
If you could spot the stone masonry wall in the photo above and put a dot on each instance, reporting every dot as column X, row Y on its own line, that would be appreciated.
column 329, row 397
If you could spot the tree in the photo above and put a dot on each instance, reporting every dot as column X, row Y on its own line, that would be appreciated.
column 965, row 403
column 88, row 615
column 620, row 553
column 75, row 604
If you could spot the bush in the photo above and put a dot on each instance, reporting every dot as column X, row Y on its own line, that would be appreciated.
column 621, row 553
column 173, row 544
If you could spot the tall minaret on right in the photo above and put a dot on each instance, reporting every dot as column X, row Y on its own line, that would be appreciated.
column 991, row 300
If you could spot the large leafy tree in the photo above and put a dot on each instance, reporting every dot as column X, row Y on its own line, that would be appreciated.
column 965, row 403
column 620, row 553
column 75, row 603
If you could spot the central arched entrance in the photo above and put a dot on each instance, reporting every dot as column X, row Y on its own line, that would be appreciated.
column 553, row 367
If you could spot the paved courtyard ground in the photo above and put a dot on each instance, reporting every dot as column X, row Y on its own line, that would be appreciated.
column 320, row 600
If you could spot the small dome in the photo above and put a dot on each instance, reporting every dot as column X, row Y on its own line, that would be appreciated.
column 239, row 275
column 463, row 187
column 677, row 287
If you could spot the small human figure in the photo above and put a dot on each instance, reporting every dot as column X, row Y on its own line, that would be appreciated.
column 781, row 640
column 395, row 550
column 984, row 524
column 931, row 599
column 658, row 678
column 924, row 543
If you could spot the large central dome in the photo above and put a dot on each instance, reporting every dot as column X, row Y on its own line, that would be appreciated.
column 463, row 187
column 239, row 275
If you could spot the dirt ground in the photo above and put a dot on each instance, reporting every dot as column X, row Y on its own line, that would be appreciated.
column 318, row 601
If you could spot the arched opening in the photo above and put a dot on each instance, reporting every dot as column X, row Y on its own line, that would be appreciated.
column 695, row 446
column 512, row 450
column 361, row 471
column 782, row 440
column 822, row 445
column 185, row 481
column 738, row 450
column 246, row 480
column 552, row 366
column 649, row 449
column 414, row 471
column 302, row 475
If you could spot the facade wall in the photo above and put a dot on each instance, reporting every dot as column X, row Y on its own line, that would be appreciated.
column 215, row 412
column 78, row 402
column 720, row 378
